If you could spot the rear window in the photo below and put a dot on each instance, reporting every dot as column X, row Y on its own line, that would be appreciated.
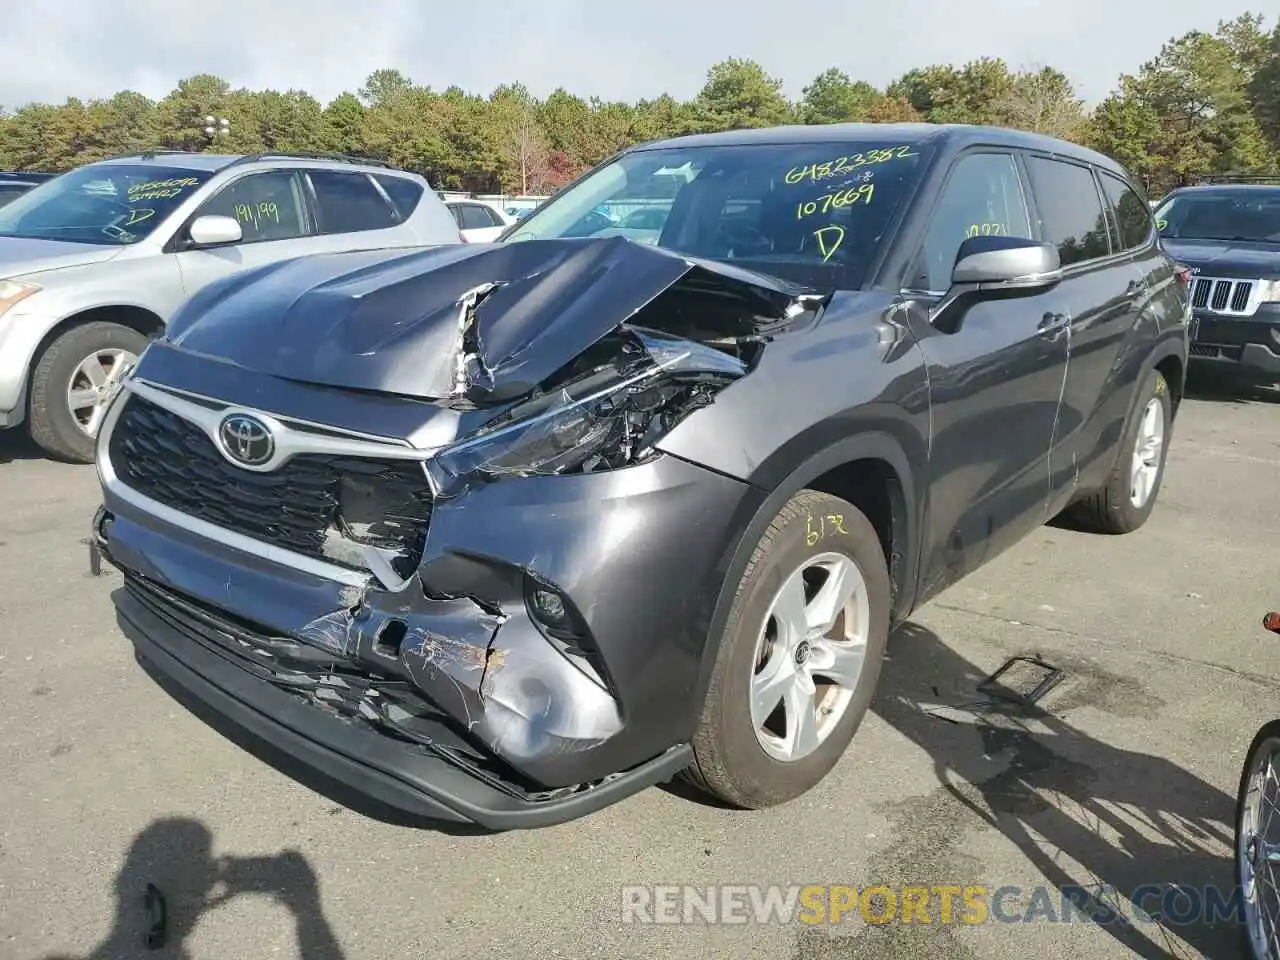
column 350, row 203
column 1071, row 214
column 404, row 193
column 814, row 213
column 1133, row 215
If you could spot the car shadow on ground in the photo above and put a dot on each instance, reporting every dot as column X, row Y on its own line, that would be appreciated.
column 16, row 444
column 175, row 857
column 1109, row 829
column 1222, row 386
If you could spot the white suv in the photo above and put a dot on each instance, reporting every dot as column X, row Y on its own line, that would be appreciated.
column 94, row 262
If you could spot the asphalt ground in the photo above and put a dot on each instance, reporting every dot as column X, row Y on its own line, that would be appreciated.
column 1123, row 781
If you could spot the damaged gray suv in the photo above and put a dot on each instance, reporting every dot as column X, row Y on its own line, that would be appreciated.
column 502, row 533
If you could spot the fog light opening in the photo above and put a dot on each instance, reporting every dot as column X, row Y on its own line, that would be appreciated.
column 389, row 639
column 548, row 606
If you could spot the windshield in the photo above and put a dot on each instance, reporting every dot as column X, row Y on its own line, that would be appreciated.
column 813, row 213
column 1246, row 216
column 103, row 203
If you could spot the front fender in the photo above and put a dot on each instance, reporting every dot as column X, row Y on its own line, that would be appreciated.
column 29, row 325
column 756, row 513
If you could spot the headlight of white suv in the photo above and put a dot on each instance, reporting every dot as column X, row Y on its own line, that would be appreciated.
column 12, row 292
column 1269, row 291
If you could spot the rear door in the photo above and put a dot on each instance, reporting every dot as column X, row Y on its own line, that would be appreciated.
column 275, row 221
column 1100, row 295
column 994, row 382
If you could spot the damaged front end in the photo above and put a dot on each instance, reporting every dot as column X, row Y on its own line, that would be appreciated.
column 524, row 603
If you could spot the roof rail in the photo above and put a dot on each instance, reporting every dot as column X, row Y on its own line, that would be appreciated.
column 334, row 157
column 150, row 153
column 1236, row 178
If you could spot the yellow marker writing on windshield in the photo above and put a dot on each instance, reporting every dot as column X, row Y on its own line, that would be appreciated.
column 835, row 201
column 137, row 216
column 829, row 240
column 846, row 164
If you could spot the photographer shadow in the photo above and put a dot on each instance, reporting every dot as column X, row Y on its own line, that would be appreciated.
column 175, row 857
column 1110, row 829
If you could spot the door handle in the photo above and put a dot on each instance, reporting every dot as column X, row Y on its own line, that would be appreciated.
column 1052, row 325
column 1135, row 289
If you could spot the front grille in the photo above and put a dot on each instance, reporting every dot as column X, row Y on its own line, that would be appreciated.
column 318, row 505
column 1222, row 296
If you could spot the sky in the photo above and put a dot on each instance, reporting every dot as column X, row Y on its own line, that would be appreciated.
column 614, row 49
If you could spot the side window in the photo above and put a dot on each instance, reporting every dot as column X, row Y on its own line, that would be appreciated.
column 349, row 203
column 475, row 217
column 268, row 206
column 404, row 193
column 1133, row 216
column 1071, row 215
column 491, row 218
column 982, row 197
column 455, row 210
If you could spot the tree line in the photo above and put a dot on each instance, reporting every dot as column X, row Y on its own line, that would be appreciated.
column 1207, row 103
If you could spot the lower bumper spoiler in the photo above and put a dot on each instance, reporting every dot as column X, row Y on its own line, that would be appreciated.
column 1251, row 356
column 375, row 767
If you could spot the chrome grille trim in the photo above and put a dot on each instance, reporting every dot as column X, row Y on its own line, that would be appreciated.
column 208, row 414
column 1229, row 296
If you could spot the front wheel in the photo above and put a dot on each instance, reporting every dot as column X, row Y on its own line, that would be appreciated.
column 799, row 658
column 1257, row 844
column 73, row 384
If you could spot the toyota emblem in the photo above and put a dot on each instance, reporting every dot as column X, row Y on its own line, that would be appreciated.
column 246, row 440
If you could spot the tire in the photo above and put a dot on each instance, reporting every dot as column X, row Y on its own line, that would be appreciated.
column 1267, row 736
column 730, row 761
column 1111, row 510
column 49, row 418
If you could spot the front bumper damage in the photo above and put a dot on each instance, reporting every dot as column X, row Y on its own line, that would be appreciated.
column 467, row 679
column 442, row 689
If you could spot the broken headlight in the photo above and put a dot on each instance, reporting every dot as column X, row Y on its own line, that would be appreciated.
column 605, row 418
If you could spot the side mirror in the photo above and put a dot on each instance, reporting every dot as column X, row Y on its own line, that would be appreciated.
column 993, row 266
column 1006, row 263
column 214, row 231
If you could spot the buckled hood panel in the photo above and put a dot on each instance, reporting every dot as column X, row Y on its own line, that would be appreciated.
column 482, row 322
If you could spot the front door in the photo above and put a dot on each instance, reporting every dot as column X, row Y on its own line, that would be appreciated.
column 995, row 382
column 275, row 221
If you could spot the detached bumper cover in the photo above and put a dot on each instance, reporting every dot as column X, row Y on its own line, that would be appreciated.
column 401, row 775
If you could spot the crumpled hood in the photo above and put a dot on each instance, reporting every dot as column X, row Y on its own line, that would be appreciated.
column 20, row 256
column 1222, row 258
column 486, row 321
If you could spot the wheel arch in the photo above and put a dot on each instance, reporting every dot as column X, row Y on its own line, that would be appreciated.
column 870, row 470
column 144, row 321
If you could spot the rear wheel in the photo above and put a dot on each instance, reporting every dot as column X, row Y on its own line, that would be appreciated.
column 1128, row 498
column 800, row 656
column 74, row 382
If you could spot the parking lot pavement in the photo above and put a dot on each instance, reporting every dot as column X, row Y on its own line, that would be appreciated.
column 1128, row 778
